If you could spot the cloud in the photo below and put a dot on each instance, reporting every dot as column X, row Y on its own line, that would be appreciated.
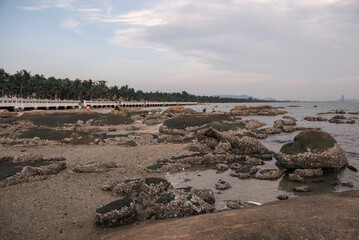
column 90, row 10
column 71, row 24
column 275, row 38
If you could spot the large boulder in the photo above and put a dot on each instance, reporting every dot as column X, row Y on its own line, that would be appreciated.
column 312, row 149
column 120, row 212
column 151, row 197
column 265, row 110
column 179, row 110
column 180, row 204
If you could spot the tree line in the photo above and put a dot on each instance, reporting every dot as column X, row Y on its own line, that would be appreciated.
column 24, row 85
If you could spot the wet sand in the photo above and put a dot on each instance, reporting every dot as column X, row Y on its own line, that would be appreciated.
column 62, row 206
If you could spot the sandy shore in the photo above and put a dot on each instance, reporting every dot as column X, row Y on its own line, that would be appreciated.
column 62, row 206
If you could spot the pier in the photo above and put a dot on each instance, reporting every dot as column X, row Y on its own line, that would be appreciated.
column 19, row 104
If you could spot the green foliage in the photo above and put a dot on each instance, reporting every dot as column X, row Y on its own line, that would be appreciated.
column 24, row 85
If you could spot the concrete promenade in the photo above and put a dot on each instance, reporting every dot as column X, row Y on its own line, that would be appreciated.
column 19, row 104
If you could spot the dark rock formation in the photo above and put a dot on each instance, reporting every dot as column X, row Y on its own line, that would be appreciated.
column 269, row 174
column 244, row 172
column 152, row 197
column 303, row 188
column 282, row 197
column 309, row 172
column 265, row 110
column 295, row 178
column 312, row 149
column 222, row 167
column 222, row 185
column 206, row 194
column 120, row 212
column 320, row 118
column 94, row 167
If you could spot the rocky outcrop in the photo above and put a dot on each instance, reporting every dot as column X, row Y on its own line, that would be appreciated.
column 222, row 167
column 151, row 197
column 275, row 220
column 269, row 174
column 312, row 149
column 29, row 173
column 94, row 167
column 309, row 172
column 265, row 110
column 178, row 110
column 244, row 172
column 303, row 188
column 36, row 168
column 119, row 212
column 316, row 119
column 222, row 185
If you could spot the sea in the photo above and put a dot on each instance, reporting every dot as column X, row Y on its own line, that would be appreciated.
column 262, row 191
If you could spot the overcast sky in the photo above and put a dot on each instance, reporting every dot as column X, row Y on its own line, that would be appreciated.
column 298, row 50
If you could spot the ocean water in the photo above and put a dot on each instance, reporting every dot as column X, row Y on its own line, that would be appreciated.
column 347, row 135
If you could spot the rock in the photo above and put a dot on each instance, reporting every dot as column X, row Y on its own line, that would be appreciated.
column 269, row 174
column 94, row 167
column 347, row 184
column 120, row 212
column 112, row 129
column 282, row 197
column 143, row 190
column 235, row 204
column 181, row 204
column 289, row 122
column 153, row 121
column 289, row 129
column 222, row 167
column 354, row 169
column 337, row 121
column 265, row 110
column 320, row 118
column 206, row 194
column 222, row 185
column 29, row 173
column 295, row 178
column 223, row 146
column 339, row 111
column 312, row 149
column 351, row 121
column 309, row 172
column 253, row 161
column 179, row 110
column 244, row 172
column 278, row 124
column 273, row 130
column 303, row 188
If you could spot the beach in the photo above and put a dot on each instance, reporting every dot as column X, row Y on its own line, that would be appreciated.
column 62, row 205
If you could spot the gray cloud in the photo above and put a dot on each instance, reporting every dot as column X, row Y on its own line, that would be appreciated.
column 285, row 39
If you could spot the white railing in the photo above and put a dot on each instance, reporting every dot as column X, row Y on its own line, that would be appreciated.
column 22, row 104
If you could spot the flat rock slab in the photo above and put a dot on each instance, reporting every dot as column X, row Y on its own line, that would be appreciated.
column 327, row 216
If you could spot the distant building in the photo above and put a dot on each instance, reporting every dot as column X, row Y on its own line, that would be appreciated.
column 342, row 98
column 99, row 82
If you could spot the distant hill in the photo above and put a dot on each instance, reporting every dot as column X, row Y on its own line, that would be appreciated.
column 244, row 96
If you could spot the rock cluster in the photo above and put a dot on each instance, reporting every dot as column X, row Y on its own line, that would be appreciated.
column 264, row 110
column 94, row 167
column 31, row 173
column 312, row 149
column 319, row 118
column 151, row 198
column 222, row 185
column 215, row 147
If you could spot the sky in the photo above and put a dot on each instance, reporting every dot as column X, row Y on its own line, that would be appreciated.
column 283, row 49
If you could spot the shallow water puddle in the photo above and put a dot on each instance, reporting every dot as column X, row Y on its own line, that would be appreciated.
column 261, row 191
column 7, row 169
